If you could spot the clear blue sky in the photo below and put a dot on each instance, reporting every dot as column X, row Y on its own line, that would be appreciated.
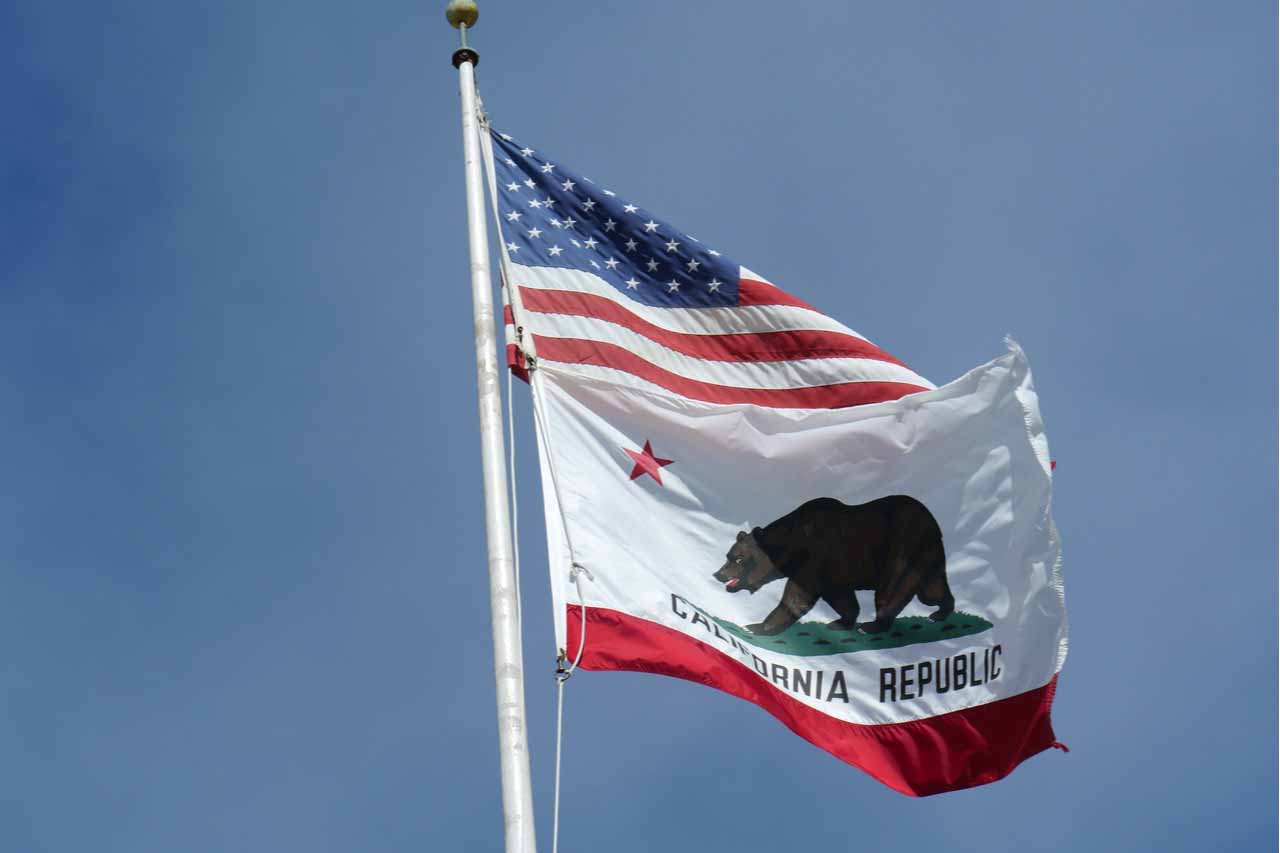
column 243, row 602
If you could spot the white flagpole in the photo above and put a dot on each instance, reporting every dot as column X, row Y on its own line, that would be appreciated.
column 517, row 793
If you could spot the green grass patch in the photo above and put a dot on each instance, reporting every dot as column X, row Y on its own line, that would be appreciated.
column 813, row 639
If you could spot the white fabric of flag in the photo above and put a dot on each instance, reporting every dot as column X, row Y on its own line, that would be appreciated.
column 973, row 452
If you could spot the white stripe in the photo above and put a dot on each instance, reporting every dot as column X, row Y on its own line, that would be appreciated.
column 751, row 319
column 772, row 375
column 614, row 376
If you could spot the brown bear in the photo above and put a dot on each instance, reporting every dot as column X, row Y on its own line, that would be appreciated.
column 827, row 549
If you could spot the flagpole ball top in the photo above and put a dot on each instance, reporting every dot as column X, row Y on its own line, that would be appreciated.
column 462, row 13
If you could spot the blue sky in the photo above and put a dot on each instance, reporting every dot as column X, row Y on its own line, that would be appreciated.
column 243, row 601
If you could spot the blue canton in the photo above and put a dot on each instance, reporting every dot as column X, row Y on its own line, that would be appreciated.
column 553, row 217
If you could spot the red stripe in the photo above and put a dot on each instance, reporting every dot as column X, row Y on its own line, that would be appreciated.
column 751, row 292
column 508, row 319
column 929, row 756
column 761, row 346
column 838, row 396
column 516, row 362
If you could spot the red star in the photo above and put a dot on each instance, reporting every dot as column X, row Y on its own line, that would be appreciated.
column 647, row 463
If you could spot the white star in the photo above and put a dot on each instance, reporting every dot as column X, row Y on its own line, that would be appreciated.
column 693, row 265
column 714, row 284
column 533, row 202
column 610, row 192
column 672, row 246
column 548, row 201
column 652, row 265
column 575, row 242
column 594, row 264
column 611, row 263
column 632, row 283
column 509, row 161
column 513, row 187
column 651, row 226
column 547, row 167
column 512, row 247
column 630, row 208
column 554, row 250
column 714, row 253
column 534, row 233
column 567, row 186
column 570, row 222
column 591, row 243
column 589, row 203
column 609, row 225
column 505, row 136
column 526, row 151
column 514, row 215
column 528, row 182
column 631, row 245
column 693, row 238
column 673, row 286
column 556, row 223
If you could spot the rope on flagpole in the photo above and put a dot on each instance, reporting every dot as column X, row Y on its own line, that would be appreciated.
column 515, row 513
column 526, row 346
column 486, row 150
column 575, row 574
column 562, row 674
column 512, row 293
column 555, row 808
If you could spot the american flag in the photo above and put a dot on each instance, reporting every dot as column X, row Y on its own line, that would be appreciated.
column 606, row 288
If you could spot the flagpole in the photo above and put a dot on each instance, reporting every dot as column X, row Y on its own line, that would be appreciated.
column 513, row 754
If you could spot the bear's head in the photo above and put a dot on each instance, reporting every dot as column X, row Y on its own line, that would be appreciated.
column 746, row 566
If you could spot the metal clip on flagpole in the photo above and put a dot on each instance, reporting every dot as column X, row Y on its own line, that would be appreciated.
column 517, row 790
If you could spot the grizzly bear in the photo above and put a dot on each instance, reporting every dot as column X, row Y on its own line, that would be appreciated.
column 827, row 549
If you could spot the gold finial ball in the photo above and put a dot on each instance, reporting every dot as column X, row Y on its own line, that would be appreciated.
column 462, row 12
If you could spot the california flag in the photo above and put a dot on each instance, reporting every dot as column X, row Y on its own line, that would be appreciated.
column 744, row 493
